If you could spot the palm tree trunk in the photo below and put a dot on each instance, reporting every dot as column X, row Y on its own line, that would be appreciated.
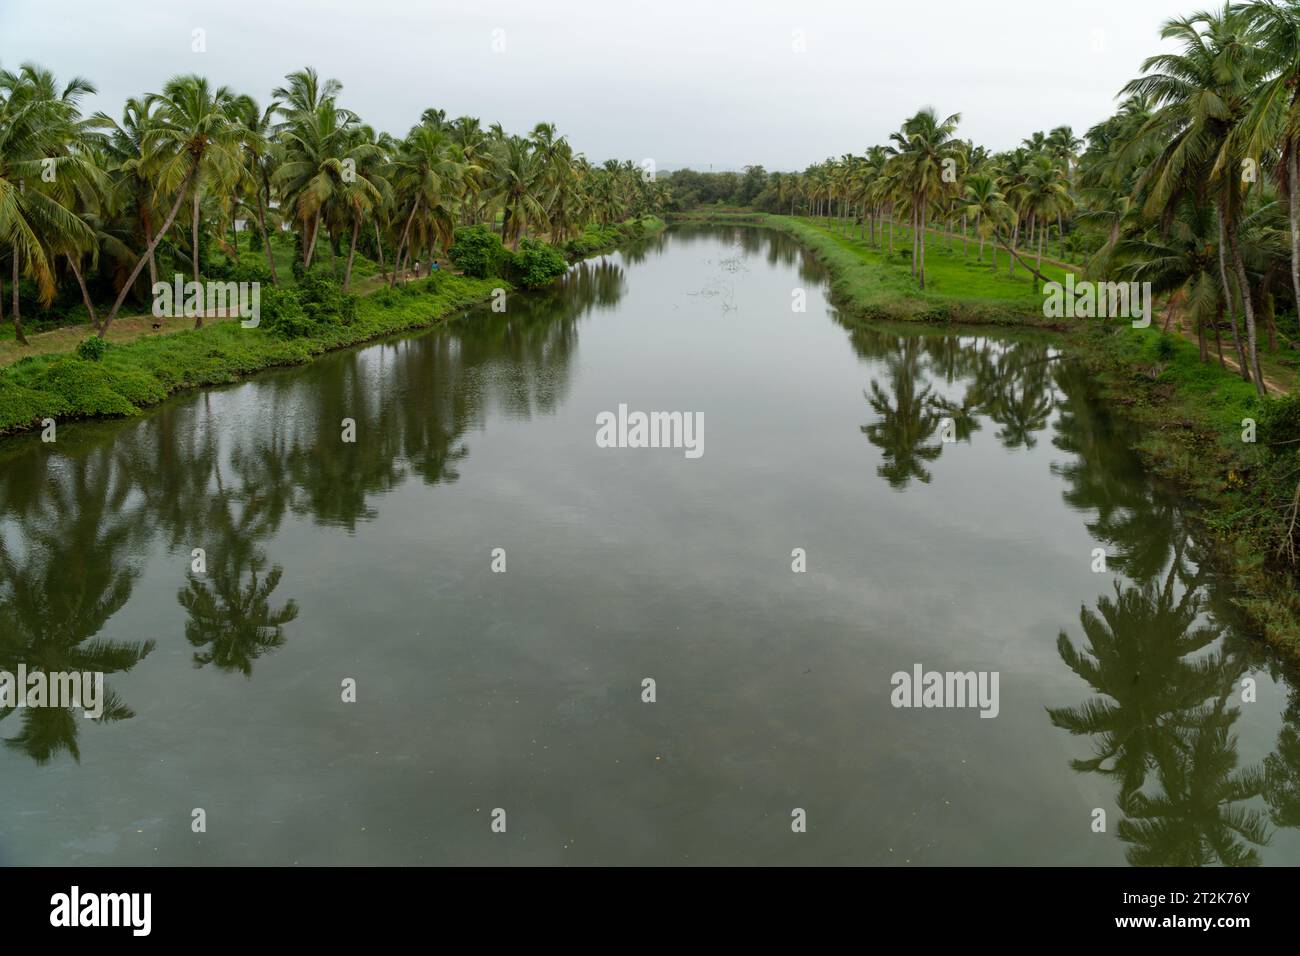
column 347, row 274
column 18, row 315
column 379, row 246
column 397, row 256
column 146, row 222
column 1244, row 369
column 266, row 238
column 916, row 247
column 310, row 250
column 1247, row 306
column 1040, row 255
column 126, row 287
column 921, row 268
column 85, row 296
column 194, row 236
column 1293, row 187
column 1015, row 239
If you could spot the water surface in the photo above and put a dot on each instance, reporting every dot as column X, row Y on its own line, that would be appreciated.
column 1120, row 691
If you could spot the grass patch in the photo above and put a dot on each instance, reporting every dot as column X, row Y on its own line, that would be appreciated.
column 143, row 372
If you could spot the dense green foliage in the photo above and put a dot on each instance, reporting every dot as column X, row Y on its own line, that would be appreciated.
column 478, row 251
column 133, row 375
column 537, row 263
column 201, row 180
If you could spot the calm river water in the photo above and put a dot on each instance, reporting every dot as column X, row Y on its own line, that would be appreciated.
column 1128, row 698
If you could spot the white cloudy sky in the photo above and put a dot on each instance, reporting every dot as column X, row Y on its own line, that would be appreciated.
column 685, row 82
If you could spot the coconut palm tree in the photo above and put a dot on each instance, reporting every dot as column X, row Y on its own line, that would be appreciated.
column 261, row 153
column 520, row 189
column 1202, row 99
column 194, row 142
column 39, row 127
column 427, row 175
column 1046, row 196
column 985, row 204
column 925, row 148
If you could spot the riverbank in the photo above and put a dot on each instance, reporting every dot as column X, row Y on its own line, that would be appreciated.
column 1190, row 413
column 131, row 376
column 877, row 284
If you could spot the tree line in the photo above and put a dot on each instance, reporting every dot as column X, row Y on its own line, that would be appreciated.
column 100, row 204
column 1193, row 184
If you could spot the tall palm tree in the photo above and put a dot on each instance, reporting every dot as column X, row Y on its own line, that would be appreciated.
column 1046, row 197
column 39, row 125
column 986, row 205
column 924, row 146
column 1202, row 98
column 260, row 158
column 1275, row 115
column 426, row 173
column 195, row 141
column 520, row 188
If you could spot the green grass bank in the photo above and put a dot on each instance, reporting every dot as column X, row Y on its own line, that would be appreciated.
column 132, row 376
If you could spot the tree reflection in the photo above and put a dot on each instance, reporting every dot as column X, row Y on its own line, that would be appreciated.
column 77, row 517
column 58, row 593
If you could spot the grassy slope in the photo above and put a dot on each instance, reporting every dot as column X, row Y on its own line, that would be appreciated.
column 146, row 371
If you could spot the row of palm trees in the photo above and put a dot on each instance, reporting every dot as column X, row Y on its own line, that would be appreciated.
column 930, row 177
column 181, row 169
column 1192, row 185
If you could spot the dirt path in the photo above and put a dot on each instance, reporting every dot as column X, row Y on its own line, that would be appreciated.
column 125, row 328
column 1271, row 385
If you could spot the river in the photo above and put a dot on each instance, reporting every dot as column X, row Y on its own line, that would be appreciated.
column 1136, row 720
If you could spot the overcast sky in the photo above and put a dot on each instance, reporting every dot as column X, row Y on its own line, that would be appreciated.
column 683, row 82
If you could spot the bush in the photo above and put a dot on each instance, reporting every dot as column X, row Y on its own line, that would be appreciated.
column 477, row 251
column 386, row 297
column 537, row 263
column 283, row 314
column 87, row 386
column 93, row 349
column 324, row 302
column 1279, row 422
column 247, row 269
column 1165, row 348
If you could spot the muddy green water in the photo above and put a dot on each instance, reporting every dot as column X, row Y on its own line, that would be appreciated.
column 1134, row 691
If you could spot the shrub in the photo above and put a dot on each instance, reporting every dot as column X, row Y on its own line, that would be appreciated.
column 87, row 386
column 386, row 297
column 1279, row 422
column 283, row 314
column 537, row 263
column 1165, row 348
column 93, row 349
column 477, row 251
column 247, row 269
column 324, row 302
